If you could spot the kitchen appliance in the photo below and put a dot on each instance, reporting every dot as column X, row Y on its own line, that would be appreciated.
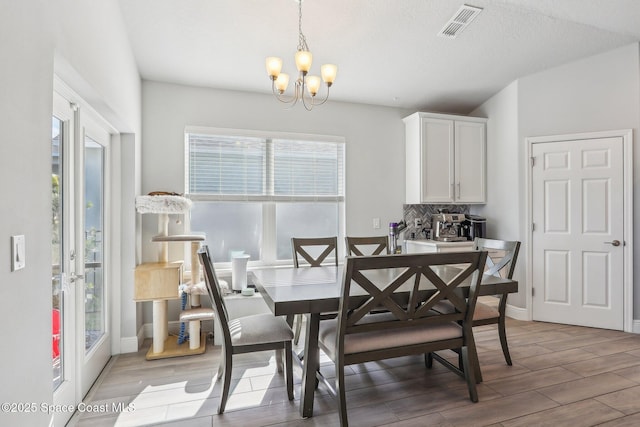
column 447, row 227
column 474, row 226
column 394, row 232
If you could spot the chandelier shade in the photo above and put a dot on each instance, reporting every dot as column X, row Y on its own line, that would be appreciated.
column 274, row 66
column 303, row 60
column 282, row 81
column 328, row 72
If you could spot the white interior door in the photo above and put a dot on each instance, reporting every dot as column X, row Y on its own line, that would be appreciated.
column 578, row 236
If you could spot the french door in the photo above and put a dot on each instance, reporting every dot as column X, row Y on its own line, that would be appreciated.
column 80, row 238
column 63, row 245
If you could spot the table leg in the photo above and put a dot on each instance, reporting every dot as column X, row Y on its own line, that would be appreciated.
column 310, row 365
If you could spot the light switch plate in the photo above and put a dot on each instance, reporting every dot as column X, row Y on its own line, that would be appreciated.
column 17, row 252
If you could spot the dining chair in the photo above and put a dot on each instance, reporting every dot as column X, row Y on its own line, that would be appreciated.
column 301, row 246
column 501, row 262
column 408, row 286
column 370, row 245
column 315, row 251
column 247, row 334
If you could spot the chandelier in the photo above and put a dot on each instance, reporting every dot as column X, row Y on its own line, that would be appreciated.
column 303, row 57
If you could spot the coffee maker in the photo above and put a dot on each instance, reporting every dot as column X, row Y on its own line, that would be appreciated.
column 474, row 226
column 447, row 227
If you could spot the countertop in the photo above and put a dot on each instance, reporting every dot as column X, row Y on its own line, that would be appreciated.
column 437, row 243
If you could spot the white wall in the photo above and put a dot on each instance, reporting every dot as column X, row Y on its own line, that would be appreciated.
column 503, row 210
column 93, row 56
column 25, row 155
column 598, row 93
column 374, row 145
column 502, row 148
column 88, row 42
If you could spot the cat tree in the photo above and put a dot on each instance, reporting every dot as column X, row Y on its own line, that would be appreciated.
column 163, row 280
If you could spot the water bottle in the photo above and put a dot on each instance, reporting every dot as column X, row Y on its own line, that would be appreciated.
column 393, row 238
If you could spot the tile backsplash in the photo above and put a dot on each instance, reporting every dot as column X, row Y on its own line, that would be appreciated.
column 424, row 212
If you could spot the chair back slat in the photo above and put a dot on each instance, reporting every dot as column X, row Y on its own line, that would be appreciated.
column 300, row 247
column 379, row 298
column 374, row 245
column 408, row 286
column 501, row 258
column 215, row 293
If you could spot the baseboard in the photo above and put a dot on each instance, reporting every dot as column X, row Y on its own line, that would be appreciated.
column 147, row 328
column 517, row 313
column 522, row 314
column 141, row 336
column 130, row 344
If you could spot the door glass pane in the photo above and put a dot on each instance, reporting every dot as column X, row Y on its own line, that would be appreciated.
column 94, row 294
column 56, row 256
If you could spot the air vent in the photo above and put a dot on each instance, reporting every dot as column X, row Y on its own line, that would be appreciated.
column 459, row 21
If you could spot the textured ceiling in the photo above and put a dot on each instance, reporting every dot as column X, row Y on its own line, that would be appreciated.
column 387, row 51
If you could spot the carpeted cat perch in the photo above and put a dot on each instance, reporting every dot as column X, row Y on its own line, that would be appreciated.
column 163, row 205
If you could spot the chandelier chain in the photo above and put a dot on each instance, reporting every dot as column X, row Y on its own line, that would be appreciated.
column 302, row 41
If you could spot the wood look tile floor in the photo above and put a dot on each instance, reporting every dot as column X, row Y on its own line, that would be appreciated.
column 561, row 376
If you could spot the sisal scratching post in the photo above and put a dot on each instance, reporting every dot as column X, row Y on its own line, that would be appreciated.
column 195, row 272
column 163, row 230
column 160, row 325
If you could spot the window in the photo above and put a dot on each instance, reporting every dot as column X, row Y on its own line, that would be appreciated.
column 253, row 191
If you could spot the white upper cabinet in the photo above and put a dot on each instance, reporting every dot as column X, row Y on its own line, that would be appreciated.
column 445, row 159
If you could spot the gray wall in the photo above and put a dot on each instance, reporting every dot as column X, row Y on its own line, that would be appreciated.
column 504, row 164
column 374, row 147
column 598, row 93
column 76, row 39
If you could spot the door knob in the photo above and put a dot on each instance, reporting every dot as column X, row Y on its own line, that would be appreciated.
column 74, row 277
column 614, row 243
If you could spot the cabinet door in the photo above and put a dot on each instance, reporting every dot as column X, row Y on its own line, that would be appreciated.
column 470, row 162
column 437, row 161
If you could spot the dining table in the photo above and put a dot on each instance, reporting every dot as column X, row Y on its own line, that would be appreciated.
column 312, row 291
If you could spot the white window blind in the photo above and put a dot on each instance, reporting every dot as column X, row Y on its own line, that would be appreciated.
column 224, row 167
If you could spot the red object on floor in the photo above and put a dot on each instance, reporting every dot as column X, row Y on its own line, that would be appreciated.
column 56, row 332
